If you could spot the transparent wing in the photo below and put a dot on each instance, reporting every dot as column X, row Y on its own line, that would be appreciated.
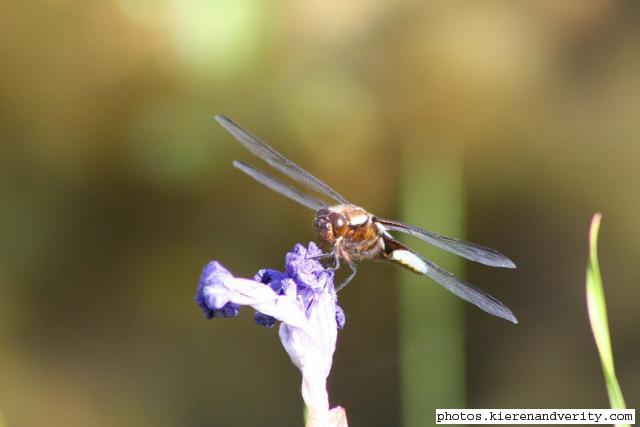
column 277, row 160
column 468, row 250
column 468, row 292
column 280, row 187
column 399, row 254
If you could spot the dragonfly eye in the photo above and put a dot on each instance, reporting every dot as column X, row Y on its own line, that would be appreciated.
column 339, row 223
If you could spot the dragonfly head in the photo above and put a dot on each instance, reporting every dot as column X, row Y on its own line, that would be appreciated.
column 330, row 225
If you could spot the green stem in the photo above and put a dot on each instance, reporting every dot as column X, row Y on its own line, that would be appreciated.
column 597, row 308
column 431, row 342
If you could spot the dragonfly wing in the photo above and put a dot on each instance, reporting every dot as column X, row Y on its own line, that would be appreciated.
column 280, row 187
column 468, row 250
column 399, row 254
column 276, row 160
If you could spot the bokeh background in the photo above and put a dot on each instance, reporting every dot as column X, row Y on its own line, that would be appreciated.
column 506, row 123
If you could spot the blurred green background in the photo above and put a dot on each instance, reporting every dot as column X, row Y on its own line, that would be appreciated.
column 116, row 187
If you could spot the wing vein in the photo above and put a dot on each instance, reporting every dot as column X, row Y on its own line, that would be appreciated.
column 260, row 149
column 468, row 250
column 450, row 282
column 280, row 187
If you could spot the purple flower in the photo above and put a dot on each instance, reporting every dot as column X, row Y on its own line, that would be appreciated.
column 303, row 299
column 212, row 273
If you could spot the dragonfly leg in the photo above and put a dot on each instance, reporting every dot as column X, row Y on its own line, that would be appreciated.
column 332, row 254
column 329, row 254
column 354, row 270
column 336, row 261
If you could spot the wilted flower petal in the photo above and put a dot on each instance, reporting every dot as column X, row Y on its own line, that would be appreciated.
column 217, row 288
column 311, row 350
column 340, row 317
column 303, row 299
column 274, row 278
column 211, row 273
column 306, row 271
column 264, row 320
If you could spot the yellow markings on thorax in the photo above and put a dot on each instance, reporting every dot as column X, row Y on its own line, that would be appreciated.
column 358, row 219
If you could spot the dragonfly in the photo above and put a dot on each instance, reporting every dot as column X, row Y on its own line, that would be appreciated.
column 352, row 234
